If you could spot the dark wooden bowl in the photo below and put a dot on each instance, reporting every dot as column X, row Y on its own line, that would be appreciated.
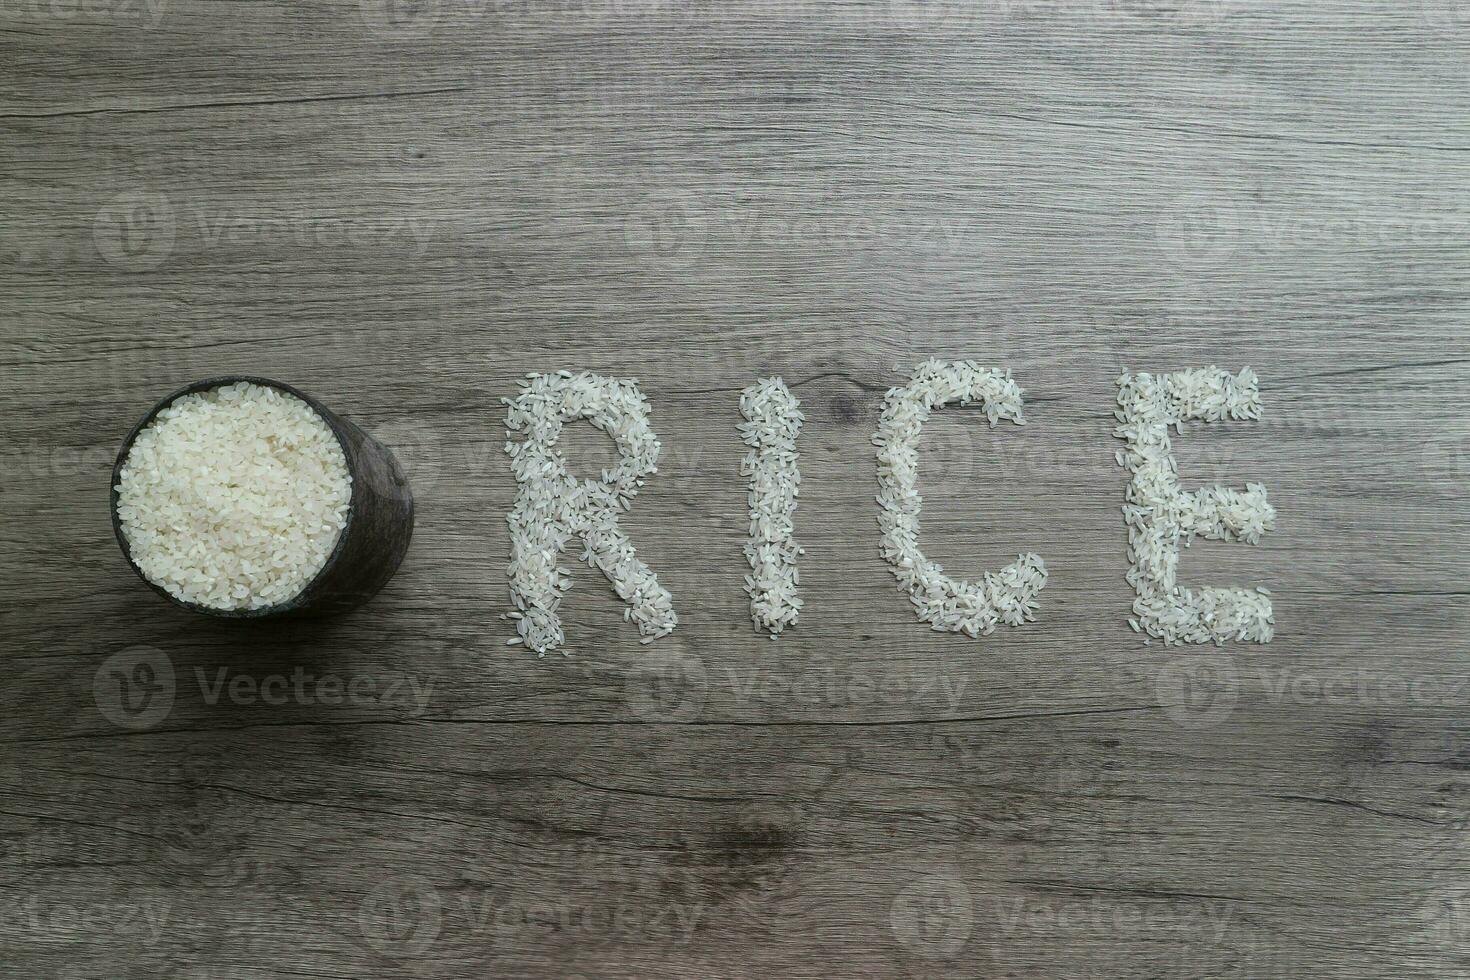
column 371, row 545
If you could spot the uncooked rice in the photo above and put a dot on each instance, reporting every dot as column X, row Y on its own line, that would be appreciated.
column 233, row 498
column 773, row 420
column 947, row 604
column 552, row 505
column 1160, row 514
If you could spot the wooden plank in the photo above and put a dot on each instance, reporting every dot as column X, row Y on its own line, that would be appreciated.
column 404, row 210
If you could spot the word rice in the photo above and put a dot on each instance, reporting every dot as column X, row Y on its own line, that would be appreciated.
column 552, row 506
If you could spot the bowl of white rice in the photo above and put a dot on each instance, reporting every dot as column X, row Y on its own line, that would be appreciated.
column 243, row 498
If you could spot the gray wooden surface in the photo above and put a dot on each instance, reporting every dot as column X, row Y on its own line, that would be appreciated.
column 403, row 208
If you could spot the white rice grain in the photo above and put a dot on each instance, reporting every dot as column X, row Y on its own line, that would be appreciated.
column 947, row 604
column 234, row 498
column 1160, row 514
column 773, row 420
column 552, row 506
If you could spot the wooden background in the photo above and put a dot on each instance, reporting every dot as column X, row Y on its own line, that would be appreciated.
column 403, row 208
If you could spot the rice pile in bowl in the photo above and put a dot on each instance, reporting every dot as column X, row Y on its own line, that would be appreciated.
column 233, row 498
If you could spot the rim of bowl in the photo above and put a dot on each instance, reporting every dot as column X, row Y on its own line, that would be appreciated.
column 324, row 413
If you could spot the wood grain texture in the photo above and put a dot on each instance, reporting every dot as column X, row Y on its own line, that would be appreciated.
column 402, row 209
